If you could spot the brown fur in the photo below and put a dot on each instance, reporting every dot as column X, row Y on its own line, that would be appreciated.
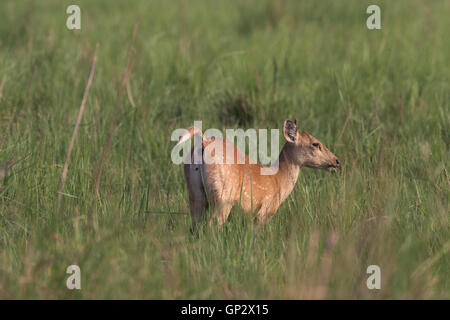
column 221, row 186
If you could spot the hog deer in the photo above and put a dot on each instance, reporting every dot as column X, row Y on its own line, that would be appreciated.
column 221, row 186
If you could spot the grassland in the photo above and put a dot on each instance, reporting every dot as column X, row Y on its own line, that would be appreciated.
column 378, row 99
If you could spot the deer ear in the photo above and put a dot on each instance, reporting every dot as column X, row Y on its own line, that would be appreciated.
column 290, row 130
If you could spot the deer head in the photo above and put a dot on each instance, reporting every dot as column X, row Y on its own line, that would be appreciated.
column 305, row 150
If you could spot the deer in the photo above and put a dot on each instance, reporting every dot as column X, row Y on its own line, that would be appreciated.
column 221, row 186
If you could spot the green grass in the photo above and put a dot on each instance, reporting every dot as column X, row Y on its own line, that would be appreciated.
column 378, row 99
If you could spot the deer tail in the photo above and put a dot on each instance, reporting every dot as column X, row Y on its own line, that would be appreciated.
column 190, row 132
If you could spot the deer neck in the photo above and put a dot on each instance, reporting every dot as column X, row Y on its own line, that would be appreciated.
column 288, row 171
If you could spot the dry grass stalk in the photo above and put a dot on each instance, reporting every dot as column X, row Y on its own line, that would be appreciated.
column 2, row 84
column 75, row 130
column 125, row 74
column 344, row 127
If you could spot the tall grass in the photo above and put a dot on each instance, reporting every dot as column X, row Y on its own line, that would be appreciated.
column 378, row 99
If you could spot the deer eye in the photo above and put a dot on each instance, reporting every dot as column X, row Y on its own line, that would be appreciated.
column 315, row 144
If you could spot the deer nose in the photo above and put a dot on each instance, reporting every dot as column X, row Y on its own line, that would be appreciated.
column 338, row 163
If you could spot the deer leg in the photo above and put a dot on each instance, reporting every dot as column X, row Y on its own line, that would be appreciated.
column 197, row 208
column 262, row 216
column 221, row 213
column 198, row 202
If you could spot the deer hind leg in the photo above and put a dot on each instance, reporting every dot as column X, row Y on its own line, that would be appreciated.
column 198, row 202
column 263, row 215
column 221, row 213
